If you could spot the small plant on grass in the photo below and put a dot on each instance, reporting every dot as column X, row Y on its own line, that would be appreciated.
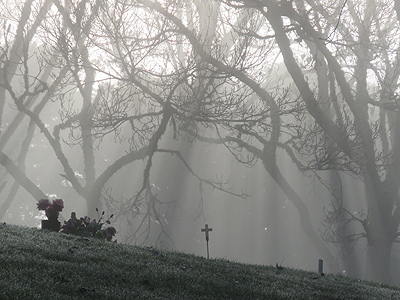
column 87, row 228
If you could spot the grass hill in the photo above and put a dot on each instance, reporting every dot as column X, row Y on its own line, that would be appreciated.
column 37, row 264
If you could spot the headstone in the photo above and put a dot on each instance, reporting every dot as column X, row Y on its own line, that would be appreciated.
column 320, row 266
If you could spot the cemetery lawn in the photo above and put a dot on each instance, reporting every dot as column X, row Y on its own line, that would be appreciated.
column 37, row 264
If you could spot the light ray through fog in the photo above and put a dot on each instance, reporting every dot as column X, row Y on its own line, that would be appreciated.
column 238, row 224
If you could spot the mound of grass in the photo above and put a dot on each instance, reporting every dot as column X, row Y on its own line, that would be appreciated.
column 37, row 264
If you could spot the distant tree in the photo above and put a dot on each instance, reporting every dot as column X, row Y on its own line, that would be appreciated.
column 371, row 150
column 16, row 36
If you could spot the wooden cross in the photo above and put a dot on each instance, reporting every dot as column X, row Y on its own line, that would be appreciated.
column 206, row 230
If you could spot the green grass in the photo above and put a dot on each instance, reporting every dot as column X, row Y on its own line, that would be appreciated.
column 36, row 264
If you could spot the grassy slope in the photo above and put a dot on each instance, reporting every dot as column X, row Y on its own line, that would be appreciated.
column 36, row 264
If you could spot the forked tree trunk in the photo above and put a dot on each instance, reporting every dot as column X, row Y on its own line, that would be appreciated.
column 93, row 202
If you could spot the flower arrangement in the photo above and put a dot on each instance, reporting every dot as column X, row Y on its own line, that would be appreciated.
column 52, row 209
column 87, row 228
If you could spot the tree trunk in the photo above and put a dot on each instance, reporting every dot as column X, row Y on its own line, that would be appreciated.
column 305, row 219
column 380, row 231
column 19, row 176
column 93, row 202
column 378, row 261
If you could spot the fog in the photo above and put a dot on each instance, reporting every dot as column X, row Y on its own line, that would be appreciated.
column 276, row 125
column 261, row 229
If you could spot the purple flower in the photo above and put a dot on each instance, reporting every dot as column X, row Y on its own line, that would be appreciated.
column 86, row 220
column 58, row 204
column 51, row 209
column 52, row 212
column 43, row 204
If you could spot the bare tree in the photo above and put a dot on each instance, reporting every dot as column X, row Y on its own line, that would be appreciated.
column 257, row 126
column 13, row 50
column 107, row 71
column 354, row 138
column 345, row 53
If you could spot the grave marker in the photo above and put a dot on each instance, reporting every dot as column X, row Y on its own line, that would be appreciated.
column 320, row 266
column 206, row 229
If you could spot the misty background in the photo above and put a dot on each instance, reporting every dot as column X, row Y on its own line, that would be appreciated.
column 276, row 123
